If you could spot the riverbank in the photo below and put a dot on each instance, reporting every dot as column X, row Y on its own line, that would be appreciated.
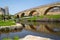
column 7, row 22
column 42, row 18
column 17, row 25
column 12, row 28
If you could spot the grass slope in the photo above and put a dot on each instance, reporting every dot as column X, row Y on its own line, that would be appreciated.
column 7, row 23
column 44, row 17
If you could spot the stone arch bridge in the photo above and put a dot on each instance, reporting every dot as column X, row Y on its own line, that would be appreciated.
column 49, row 9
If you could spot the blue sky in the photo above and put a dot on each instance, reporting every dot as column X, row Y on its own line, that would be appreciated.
column 16, row 6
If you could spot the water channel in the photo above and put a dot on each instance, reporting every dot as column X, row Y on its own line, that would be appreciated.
column 42, row 29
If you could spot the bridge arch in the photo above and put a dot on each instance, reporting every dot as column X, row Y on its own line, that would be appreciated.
column 51, row 8
column 17, row 16
column 23, row 14
column 32, row 13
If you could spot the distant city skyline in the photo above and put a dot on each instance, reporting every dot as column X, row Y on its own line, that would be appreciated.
column 16, row 6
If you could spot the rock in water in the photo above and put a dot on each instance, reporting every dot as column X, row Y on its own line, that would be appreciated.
column 31, row 37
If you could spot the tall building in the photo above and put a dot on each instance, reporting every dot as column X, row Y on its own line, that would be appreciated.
column 1, row 11
column 4, row 11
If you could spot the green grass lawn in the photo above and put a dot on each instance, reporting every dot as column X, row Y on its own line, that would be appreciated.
column 15, row 38
column 6, row 39
column 7, row 23
column 53, row 16
column 44, row 16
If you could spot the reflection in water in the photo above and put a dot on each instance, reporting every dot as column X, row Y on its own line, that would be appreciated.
column 23, row 24
column 52, row 30
column 49, row 29
column 34, row 29
column 31, row 26
column 57, row 29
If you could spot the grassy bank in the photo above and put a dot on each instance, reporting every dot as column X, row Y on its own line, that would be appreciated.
column 7, row 23
column 15, row 38
column 44, row 17
column 53, row 16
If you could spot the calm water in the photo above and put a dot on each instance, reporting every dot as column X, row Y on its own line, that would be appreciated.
column 43, row 29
